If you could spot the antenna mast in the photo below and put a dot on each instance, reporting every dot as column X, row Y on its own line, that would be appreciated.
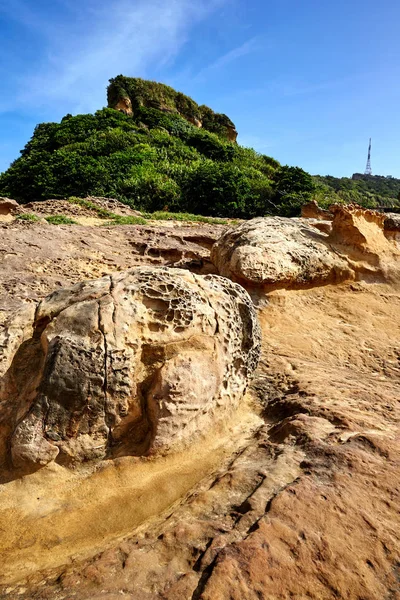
column 368, row 170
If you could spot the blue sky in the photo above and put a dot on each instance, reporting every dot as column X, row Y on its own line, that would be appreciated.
column 305, row 81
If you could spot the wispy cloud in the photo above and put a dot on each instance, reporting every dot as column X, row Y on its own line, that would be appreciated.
column 301, row 88
column 223, row 61
column 97, row 41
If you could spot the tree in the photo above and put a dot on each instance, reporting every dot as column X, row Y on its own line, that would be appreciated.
column 216, row 189
column 293, row 187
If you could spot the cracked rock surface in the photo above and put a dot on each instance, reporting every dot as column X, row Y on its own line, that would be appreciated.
column 140, row 360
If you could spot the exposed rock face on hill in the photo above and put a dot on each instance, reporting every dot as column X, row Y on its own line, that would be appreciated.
column 275, row 251
column 139, row 360
column 128, row 94
column 294, row 495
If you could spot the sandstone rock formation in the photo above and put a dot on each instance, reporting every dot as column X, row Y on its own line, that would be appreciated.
column 140, row 360
column 306, row 506
column 316, row 215
column 311, row 210
column 91, row 206
column 37, row 258
column 8, row 206
column 295, row 495
column 276, row 251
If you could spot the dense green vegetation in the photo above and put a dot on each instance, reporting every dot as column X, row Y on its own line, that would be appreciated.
column 367, row 191
column 154, row 161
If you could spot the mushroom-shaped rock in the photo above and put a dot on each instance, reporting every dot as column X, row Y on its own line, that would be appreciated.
column 277, row 250
column 283, row 252
column 135, row 362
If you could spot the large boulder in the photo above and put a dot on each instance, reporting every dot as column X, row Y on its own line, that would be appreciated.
column 283, row 252
column 277, row 250
column 128, row 364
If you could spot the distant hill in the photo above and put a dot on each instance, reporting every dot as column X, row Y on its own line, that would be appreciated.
column 371, row 191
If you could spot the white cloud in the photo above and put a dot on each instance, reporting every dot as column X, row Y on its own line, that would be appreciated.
column 100, row 40
column 247, row 47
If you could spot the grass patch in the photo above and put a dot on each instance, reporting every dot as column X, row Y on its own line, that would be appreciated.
column 27, row 217
column 156, row 216
column 167, row 216
column 60, row 220
column 126, row 220
column 103, row 213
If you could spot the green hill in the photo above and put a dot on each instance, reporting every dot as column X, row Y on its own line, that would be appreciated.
column 155, row 149
column 371, row 191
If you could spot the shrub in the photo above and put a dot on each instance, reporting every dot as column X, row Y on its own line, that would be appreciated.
column 292, row 188
column 149, row 189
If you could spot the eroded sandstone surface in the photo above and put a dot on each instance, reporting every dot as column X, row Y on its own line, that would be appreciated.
column 136, row 361
column 295, row 494
column 276, row 251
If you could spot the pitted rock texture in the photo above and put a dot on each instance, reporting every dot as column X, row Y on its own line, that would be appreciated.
column 306, row 506
column 135, row 362
column 282, row 252
column 392, row 228
column 38, row 258
column 8, row 206
column 277, row 250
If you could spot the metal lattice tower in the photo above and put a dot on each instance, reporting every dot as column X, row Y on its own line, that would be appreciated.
column 368, row 170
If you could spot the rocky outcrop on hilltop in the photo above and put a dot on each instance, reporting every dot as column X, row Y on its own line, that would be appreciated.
column 141, row 360
column 128, row 94
column 276, row 251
